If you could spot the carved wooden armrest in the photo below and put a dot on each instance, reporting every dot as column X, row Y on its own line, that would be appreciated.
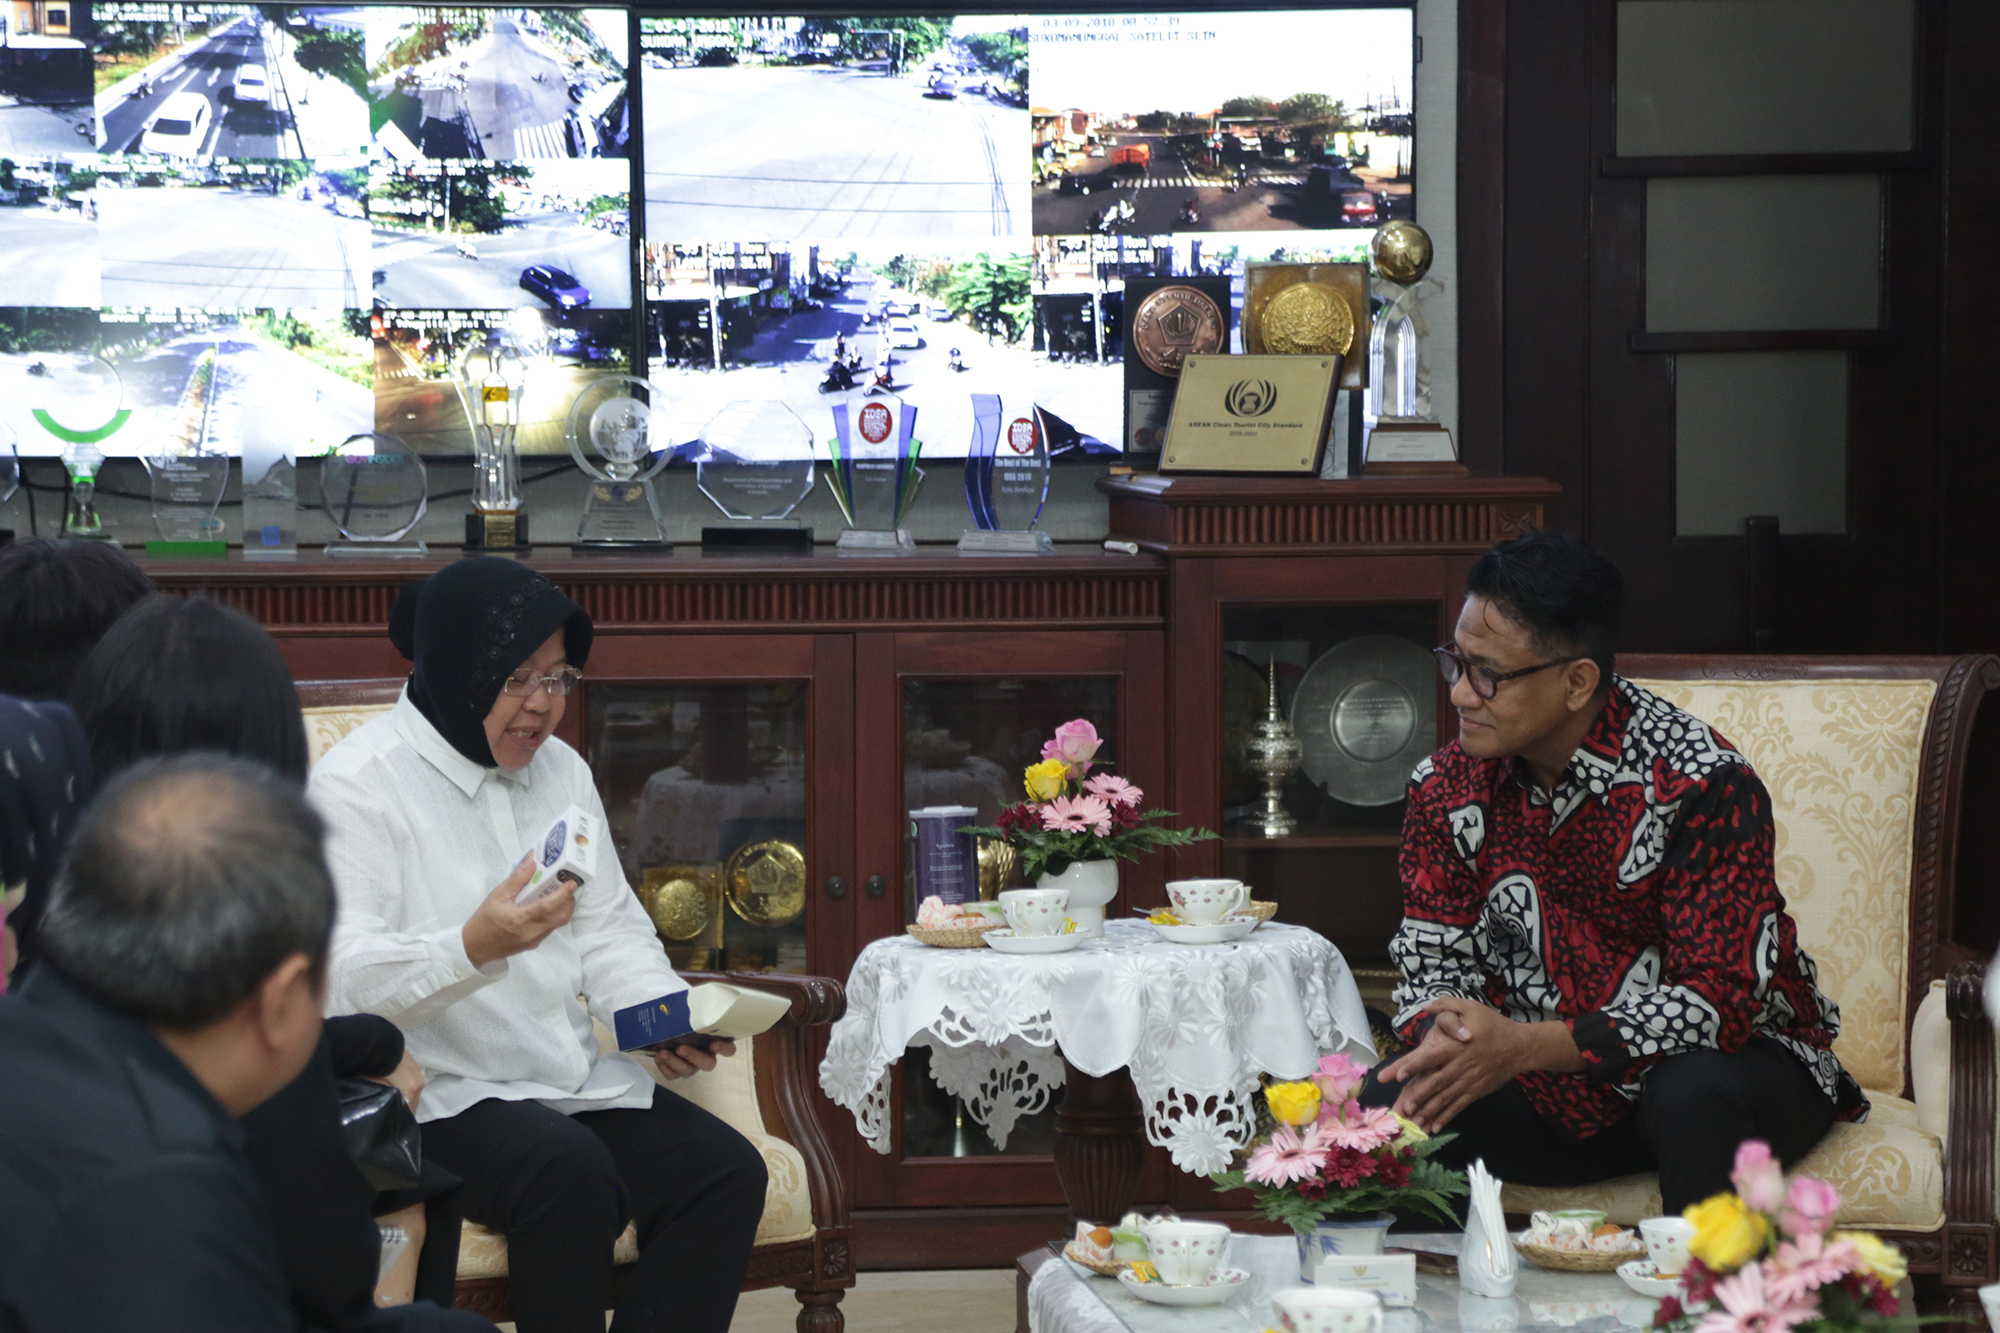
column 1968, row 1157
column 788, row 1080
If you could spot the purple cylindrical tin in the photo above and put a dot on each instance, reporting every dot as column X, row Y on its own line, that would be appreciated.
column 945, row 862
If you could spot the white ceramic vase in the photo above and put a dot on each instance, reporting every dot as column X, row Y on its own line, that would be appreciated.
column 1091, row 885
column 1342, row 1235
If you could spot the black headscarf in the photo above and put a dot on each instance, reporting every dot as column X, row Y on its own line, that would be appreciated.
column 470, row 626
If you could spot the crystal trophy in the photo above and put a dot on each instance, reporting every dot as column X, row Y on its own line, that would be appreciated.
column 1006, row 480
column 271, row 475
column 81, row 521
column 79, row 402
column 756, row 461
column 612, row 420
column 875, row 475
column 491, row 379
column 374, row 490
column 187, row 490
column 1404, row 436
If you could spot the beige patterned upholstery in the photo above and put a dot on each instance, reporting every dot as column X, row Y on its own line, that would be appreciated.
column 1841, row 760
column 327, row 727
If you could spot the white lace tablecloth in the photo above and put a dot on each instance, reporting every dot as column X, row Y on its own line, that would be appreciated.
column 1196, row 1025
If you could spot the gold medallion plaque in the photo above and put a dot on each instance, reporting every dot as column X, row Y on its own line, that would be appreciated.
column 678, row 907
column 1309, row 319
column 1278, row 320
column 766, row 882
column 1174, row 323
column 1256, row 414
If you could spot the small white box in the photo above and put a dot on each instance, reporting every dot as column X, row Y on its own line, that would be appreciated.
column 1393, row 1277
column 567, row 852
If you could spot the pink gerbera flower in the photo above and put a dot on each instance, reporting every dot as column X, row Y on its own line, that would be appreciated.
column 1748, row 1307
column 1286, row 1156
column 1077, row 814
column 1803, row 1266
column 1353, row 1125
column 1114, row 789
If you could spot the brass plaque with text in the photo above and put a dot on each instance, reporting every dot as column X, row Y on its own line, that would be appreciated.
column 1255, row 414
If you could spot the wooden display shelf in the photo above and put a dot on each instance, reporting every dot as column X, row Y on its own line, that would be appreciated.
column 1311, row 839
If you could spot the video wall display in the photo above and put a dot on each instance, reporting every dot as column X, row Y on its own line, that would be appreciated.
column 829, row 206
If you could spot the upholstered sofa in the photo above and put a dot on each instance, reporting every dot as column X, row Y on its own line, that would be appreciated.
column 765, row 1092
column 1865, row 762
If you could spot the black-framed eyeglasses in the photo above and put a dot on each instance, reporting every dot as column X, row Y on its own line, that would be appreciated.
column 524, row 683
column 1485, row 680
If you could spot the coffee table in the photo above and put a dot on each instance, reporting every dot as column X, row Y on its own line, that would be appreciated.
column 1063, row 1298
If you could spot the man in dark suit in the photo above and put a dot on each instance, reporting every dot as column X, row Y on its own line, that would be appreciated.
column 180, row 984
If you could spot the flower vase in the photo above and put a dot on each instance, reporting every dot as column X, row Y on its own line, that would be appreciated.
column 1091, row 884
column 1342, row 1235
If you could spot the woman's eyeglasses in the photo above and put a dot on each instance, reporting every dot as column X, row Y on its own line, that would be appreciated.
column 522, row 684
column 1485, row 680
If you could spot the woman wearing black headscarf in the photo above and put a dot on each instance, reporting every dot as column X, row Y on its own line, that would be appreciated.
column 429, row 812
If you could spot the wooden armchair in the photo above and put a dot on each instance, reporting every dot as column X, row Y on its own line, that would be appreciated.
column 765, row 1092
column 1866, row 761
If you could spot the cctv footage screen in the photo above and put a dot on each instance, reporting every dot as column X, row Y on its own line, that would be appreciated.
column 250, row 207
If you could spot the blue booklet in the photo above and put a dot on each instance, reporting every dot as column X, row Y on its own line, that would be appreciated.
column 697, row 1017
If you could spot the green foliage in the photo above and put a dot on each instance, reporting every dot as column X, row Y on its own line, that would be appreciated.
column 1432, row 1187
column 607, row 203
column 334, row 54
column 1045, row 851
column 49, row 329
column 994, row 294
column 921, row 36
column 1004, row 51
column 1316, row 111
column 1250, row 106
column 568, row 23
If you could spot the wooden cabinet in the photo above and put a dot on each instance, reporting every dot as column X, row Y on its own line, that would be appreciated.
column 812, row 701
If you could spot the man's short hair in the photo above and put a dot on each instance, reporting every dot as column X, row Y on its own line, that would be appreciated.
column 1570, row 599
column 190, row 880
column 56, row 601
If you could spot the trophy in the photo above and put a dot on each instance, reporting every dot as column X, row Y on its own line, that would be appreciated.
column 187, row 490
column 79, row 401
column 10, row 464
column 621, row 513
column 1273, row 753
column 1404, row 436
column 271, row 474
column 756, row 464
column 1006, row 480
column 491, row 379
column 875, row 475
column 374, row 490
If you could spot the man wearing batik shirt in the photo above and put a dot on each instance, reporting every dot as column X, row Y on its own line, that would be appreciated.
column 1598, row 972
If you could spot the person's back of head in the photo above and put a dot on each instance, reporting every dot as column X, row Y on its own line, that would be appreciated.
column 180, row 674
column 1569, row 599
column 56, row 600
column 196, row 898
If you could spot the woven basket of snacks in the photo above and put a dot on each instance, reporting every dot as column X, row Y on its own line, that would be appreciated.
column 1101, row 1267
column 1262, row 911
column 953, row 937
column 1578, row 1261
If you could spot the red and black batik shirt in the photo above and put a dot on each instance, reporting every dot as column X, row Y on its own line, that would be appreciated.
column 1635, row 902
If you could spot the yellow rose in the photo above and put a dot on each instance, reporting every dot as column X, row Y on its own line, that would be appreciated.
column 1412, row 1134
column 1727, row 1235
column 1879, row 1259
column 1045, row 780
column 1293, row 1103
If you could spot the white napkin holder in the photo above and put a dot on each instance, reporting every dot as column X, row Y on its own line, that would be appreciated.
column 1486, row 1259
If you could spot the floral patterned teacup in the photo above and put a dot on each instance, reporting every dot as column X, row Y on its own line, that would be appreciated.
column 1204, row 902
column 1327, row 1310
column 1187, row 1253
column 1667, row 1243
column 1035, row 911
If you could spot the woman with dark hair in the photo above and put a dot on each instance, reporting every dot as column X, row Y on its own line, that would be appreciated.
column 176, row 675
column 56, row 600
column 429, row 812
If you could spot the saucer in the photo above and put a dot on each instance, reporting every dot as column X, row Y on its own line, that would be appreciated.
column 1006, row 941
column 1642, row 1277
column 1233, row 927
column 1225, row 1284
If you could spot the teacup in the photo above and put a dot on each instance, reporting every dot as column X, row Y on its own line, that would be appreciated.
column 1204, row 902
column 1034, row 912
column 1327, row 1310
column 1578, row 1222
column 1667, row 1243
column 1187, row 1253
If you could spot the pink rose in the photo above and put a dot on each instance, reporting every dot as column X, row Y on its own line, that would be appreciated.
column 1075, row 744
column 1759, row 1181
column 1339, row 1078
column 1809, row 1207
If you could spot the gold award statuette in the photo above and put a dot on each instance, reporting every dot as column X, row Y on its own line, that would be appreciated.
column 1257, row 414
column 1174, row 323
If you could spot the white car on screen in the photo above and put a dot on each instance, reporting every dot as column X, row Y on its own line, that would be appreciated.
column 903, row 334
column 253, row 84
column 179, row 128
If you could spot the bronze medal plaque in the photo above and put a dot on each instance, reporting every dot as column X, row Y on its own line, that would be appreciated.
column 1174, row 323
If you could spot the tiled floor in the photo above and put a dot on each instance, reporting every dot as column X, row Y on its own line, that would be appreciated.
column 971, row 1300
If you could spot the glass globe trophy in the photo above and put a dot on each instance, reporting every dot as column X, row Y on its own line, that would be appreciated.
column 1404, row 436
column 375, row 491
column 492, row 377
column 612, row 419
column 79, row 401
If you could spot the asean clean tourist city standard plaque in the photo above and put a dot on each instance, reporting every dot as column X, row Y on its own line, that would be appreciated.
column 1258, row 414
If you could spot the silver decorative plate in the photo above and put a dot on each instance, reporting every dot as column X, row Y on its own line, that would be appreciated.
column 1366, row 712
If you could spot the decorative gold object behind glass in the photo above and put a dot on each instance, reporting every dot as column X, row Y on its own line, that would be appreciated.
column 767, row 882
column 1275, row 322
